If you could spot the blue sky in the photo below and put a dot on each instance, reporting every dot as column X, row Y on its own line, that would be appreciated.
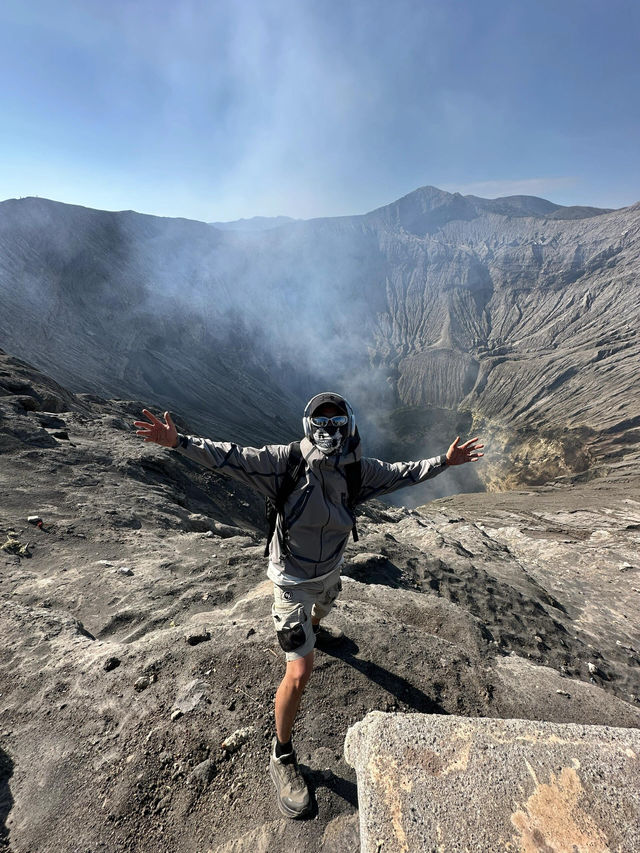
column 220, row 110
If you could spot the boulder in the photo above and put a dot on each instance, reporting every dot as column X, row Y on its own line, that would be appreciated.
column 453, row 783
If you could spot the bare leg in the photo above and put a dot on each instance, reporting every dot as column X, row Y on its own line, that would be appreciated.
column 289, row 694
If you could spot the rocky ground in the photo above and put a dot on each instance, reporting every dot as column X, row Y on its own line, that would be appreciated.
column 137, row 638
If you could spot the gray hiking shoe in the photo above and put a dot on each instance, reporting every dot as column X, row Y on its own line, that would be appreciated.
column 293, row 794
column 328, row 635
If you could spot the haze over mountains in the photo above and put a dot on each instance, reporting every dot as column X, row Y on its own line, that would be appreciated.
column 255, row 223
column 436, row 314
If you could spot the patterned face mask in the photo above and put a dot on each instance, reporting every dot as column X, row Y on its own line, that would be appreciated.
column 328, row 439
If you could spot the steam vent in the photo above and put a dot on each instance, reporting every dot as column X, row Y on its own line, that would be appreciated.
column 445, row 783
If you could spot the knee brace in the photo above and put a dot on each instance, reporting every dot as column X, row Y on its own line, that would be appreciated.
column 291, row 638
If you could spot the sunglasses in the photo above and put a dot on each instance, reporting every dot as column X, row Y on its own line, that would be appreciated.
column 322, row 422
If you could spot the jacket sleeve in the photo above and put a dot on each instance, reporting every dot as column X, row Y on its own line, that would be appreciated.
column 260, row 468
column 380, row 478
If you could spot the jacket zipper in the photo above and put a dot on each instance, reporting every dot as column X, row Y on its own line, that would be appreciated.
column 326, row 503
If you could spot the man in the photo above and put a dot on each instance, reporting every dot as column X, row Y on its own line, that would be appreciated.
column 311, row 532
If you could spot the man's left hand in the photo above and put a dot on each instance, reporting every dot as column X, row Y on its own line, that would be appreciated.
column 458, row 454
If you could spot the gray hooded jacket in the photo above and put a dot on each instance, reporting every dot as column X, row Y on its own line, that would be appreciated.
column 318, row 520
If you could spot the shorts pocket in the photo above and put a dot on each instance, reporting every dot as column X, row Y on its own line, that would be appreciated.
column 290, row 627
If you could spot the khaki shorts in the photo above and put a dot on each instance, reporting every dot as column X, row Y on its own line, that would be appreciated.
column 293, row 607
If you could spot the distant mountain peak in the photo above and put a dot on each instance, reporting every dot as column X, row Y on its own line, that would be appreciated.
column 428, row 209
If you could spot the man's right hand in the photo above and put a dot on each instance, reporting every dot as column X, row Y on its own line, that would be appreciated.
column 154, row 430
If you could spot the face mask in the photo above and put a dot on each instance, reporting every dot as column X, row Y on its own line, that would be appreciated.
column 328, row 442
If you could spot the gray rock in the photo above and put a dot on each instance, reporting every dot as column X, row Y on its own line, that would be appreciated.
column 227, row 531
column 190, row 696
column 199, row 523
column 342, row 835
column 234, row 741
column 202, row 773
column 197, row 635
column 430, row 782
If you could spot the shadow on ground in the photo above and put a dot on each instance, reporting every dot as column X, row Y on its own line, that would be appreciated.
column 398, row 686
column 6, row 800
column 345, row 789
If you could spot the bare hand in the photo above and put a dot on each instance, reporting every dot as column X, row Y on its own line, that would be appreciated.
column 458, row 454
column 154, row 430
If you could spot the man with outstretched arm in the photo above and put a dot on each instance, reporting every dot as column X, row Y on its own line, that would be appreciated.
column 314, row 486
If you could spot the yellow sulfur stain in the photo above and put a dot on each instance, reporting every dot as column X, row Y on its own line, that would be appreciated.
column 391, row 780
column 461, row 761
column 553, row 820
column 387, row 776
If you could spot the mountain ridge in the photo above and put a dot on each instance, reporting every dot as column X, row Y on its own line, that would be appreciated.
column 523, row 324
column 511, row 205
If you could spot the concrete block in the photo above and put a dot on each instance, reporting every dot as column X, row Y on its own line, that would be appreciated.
column 446, row 784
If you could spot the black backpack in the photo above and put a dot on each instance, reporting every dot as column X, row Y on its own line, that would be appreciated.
column 295, row 470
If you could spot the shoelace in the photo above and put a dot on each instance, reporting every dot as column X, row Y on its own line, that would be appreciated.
column 291, row 769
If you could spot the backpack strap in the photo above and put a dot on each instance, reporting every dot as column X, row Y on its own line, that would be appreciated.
column 275, row 507
column 353, row 473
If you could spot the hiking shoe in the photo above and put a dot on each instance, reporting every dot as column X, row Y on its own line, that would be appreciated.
column 293, row 794
column 328, row 635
